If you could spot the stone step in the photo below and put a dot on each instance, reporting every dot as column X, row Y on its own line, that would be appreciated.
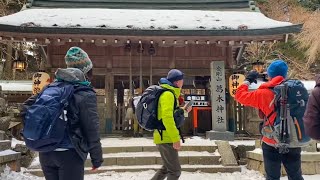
column 5, row 144
column 210, row 149
column 9, row 155
column 189, row 168
column 310, row 162
column 10, row 158
column 154, row 158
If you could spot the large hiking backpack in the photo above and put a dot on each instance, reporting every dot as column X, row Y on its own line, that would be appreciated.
column 290, row 104
column 147, row 110
column 45, row 121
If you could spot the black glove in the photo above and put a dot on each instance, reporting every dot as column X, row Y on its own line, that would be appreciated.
column 252, row 76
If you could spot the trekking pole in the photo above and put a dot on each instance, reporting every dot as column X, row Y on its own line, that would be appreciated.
column 283, row 146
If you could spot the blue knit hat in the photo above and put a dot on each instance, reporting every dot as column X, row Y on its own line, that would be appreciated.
column 277, row 68
column 78, row 58
column 174, row 75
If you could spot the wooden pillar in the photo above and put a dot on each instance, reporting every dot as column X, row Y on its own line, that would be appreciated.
column 49, row 60
column 109, row 99
column 140, row 68
column 8, row 63
column 231, row 117
column 109, row 95
column 120, row 103
column 44, row 58
column 48, row 63
column 130, row 75
column 229, row 57
column 172, row 56
column 230, row 104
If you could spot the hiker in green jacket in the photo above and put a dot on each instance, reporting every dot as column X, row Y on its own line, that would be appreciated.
column 170, row 142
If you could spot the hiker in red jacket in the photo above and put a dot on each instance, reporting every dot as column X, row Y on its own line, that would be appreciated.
column 263, row 99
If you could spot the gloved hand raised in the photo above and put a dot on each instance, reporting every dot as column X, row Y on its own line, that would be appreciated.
column 252, row 76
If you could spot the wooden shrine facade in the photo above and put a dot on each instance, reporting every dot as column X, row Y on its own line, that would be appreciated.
column 151, row 42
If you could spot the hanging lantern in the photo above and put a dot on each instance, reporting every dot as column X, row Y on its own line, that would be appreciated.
column 19, row 65
column 127, row 47
column 151, row 50
column 258, row 66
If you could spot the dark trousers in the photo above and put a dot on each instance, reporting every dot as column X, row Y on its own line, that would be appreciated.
column 171, row 166
column 62, row 165
column 273, row 159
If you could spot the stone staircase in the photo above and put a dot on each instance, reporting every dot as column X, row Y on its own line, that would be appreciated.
column 310, row 159
column 143, row 158
column 8, row 157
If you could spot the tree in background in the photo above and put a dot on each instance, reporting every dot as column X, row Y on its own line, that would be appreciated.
column 309, row 39
column 33, row 55
column 310, row 4
column 8, row 7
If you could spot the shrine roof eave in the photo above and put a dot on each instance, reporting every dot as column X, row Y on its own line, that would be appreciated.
column 140, row 32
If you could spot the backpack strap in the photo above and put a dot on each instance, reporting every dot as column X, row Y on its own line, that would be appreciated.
column 174, row 108
column 182, row 138
column 160, row 132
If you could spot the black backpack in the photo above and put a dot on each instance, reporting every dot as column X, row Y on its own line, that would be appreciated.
column 147, row 110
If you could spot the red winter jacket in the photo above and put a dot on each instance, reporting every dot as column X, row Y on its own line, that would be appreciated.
column 262, row 99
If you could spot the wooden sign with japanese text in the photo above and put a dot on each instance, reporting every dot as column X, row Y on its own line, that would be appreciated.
column 39, row 81
column 218, row 96
column 235, row 81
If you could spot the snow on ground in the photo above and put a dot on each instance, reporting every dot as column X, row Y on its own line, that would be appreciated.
column 141, row 19
column 146, row 175
column 192, row 141
column 14, row 142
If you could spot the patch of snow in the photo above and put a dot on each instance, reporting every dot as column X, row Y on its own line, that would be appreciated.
column 257, row 150
column 14, row 142
column 141, row 19
column 12, row 175
column 242, row 142
column 310, row 153
column 156, row 154
column 217, row 152
column 192, row 141
column 35, row 164
column 7, row 152
column 16, row 85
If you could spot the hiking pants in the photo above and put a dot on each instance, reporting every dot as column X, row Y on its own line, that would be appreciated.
column 273, row 159
column 171, row 166
column 62, row 165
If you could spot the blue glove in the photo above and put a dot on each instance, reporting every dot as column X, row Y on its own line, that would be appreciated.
column 252, row 77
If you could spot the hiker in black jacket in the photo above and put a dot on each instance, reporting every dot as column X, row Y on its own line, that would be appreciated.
column 82, row 137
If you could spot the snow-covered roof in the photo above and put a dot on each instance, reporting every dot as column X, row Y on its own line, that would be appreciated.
column 141, row 19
